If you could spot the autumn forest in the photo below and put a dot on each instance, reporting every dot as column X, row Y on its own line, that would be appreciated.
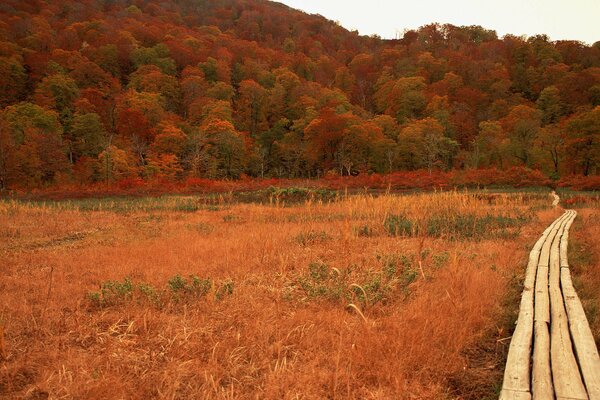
column 101, row 91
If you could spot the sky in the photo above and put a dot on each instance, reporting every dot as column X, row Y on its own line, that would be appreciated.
column 559, row 19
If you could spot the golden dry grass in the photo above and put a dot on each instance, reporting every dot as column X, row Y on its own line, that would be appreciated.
column 435, row 328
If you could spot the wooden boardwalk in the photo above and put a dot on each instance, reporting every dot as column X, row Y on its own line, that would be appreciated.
column 552, row 353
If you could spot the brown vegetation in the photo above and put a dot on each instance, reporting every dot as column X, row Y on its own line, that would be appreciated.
column 362, row 297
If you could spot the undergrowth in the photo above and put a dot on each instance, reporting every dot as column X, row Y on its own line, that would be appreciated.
column 456, row 226
column 350, row 284
column 178, row 290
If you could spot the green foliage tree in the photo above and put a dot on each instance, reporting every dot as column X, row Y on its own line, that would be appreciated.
column 522, row 125
column 88, row 136
column 157, row 55
column 403, row 99
column 13, row 80
column 422, row 144
column 225, row 149
column 34, row 152
column 550, row 104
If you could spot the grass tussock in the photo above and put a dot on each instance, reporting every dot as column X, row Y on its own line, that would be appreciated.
column 322, row 298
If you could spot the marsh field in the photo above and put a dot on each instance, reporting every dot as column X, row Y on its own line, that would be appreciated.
column 304, row 295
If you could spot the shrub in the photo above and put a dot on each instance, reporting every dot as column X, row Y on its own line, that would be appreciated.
column 179, row 289
column 112, row 292
column 455, row 226
column 191, row 287
column 347, row 285
column 311, row 237
column 398, row 225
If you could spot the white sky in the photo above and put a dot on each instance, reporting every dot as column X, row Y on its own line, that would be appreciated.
column 559, row 19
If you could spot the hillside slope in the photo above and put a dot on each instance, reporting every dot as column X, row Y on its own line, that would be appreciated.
column 106, row 90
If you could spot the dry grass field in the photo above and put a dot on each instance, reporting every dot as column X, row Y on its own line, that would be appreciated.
column 361, row 296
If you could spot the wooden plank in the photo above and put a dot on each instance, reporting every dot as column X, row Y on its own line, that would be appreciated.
column 562, row 341
column 517, row 373
column 564, row 243
column 542, row 296
column 542, row 376
column 542, row 387
column 565, row 372
column 555, row 198
column 545, row 250
column 583, row 340
column 506, row 394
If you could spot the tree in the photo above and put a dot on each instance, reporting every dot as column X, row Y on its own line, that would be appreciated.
column 362, row 148
column 295, row 94
column 157, row 55
column 549, row 103
column 403, row 99
column 251, row 107
column 488, row 147
column 150, row 79
column 87, row 74
column 57, row 91
column 12, row 80
column 88, row 136
column 323, row 136
column 193, row 85
column 221, row 91
column 133, row 125
column 169, row 140
column 164, row 166
column 522, row 125
column 216, row 71
column 225, row 148
column 33, row 146
column 422, row 144
column 551, row 141
column 583, row 143
column 115, row 164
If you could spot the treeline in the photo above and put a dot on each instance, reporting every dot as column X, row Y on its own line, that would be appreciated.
column 106, row 90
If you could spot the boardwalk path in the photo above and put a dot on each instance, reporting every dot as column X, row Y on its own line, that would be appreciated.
column 552, row 353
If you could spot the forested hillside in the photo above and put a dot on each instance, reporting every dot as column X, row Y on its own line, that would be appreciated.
column 102, row 90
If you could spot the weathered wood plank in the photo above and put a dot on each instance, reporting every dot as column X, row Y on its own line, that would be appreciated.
column 517, row 373
column 583, row 340
column 565, row 372
column 542, row 376
column 565, row 363
column 564, row 242
column 542, row 387
column 555, row 199
column 506, row 394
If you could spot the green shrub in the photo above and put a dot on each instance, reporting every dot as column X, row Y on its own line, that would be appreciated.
column 456, row 226
column 193, row 286
column 398, row 225
column 347, row 285
column 225, row 289
column 179, row 289
column 112, row 292
column 311, row 237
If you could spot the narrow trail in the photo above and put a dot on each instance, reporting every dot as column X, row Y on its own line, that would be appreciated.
column 552, row 353
column 555, row 198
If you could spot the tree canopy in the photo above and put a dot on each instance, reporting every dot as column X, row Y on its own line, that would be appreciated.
column 105, row 90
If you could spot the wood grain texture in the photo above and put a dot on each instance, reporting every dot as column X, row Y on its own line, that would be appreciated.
column 552, row 353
